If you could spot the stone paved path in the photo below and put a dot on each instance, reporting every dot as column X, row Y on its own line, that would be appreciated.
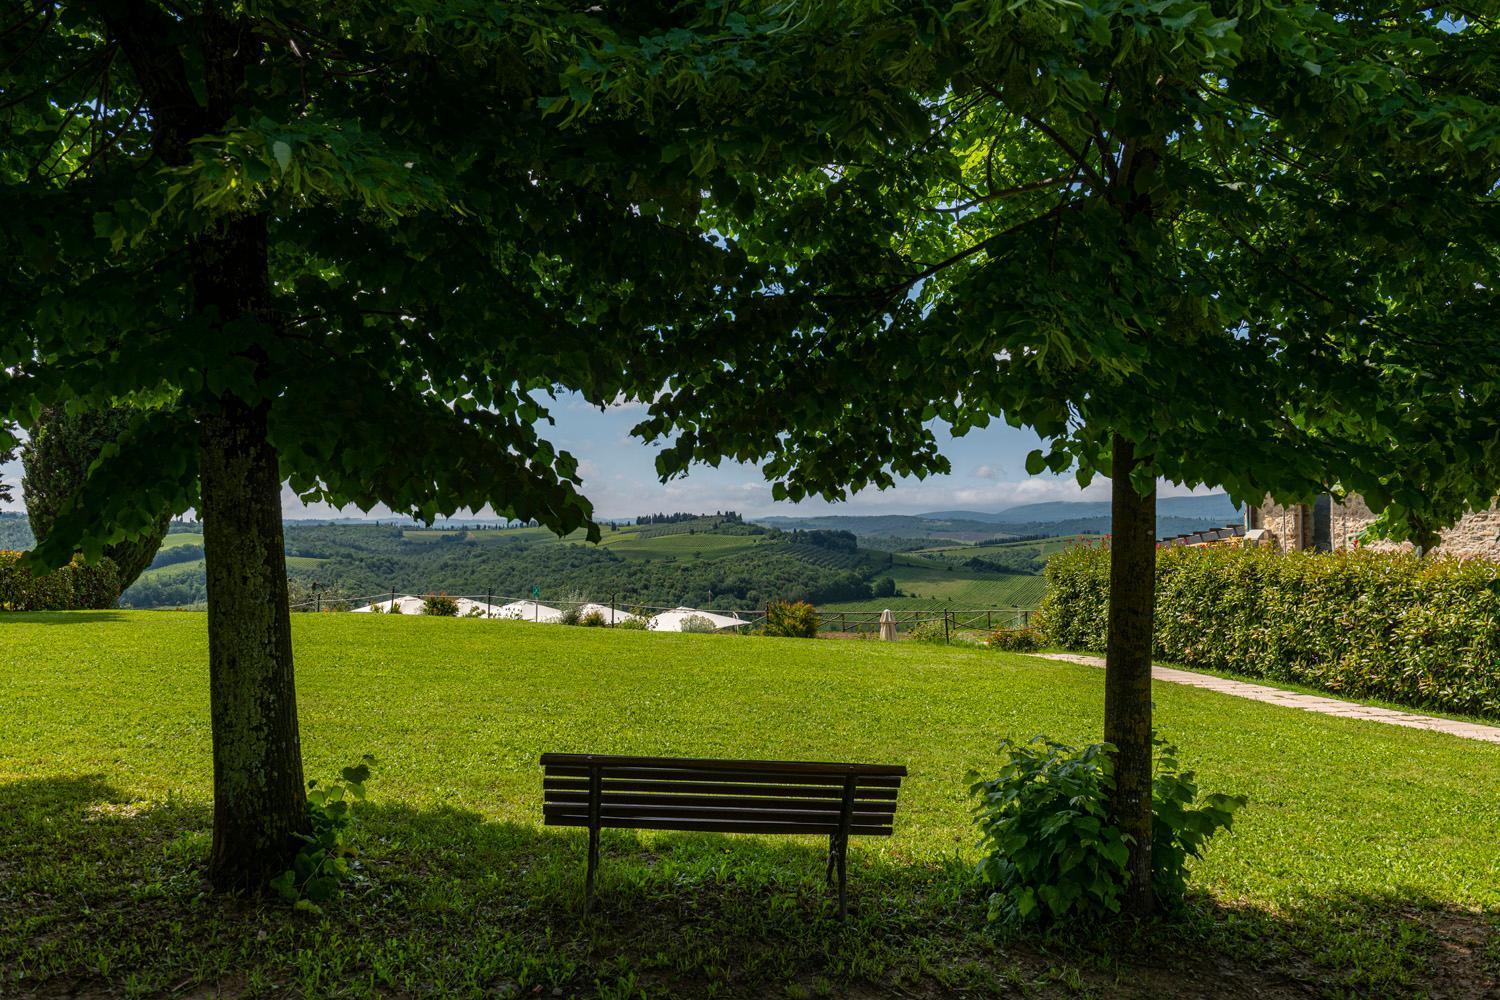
column 1306, row 702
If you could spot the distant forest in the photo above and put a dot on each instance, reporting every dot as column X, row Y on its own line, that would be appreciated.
column 349, row 561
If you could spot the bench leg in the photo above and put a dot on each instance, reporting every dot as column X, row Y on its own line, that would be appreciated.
column 588, row 879
column 833, row 856
column 843, row 862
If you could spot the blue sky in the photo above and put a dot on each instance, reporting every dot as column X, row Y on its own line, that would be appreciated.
column 620, row 478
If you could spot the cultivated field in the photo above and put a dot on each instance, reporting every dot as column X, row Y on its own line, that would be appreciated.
column 1366, row 860
column 932, row 588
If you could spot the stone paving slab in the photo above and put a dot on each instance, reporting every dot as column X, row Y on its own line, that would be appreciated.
column 1306, row 702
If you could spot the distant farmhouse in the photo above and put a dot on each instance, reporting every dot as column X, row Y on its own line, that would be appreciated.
column 1328, row 524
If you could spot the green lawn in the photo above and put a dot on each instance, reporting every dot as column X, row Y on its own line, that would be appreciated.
column 173, row 570
column 1366, row 862
column 702, row 545
column 177, row 538
column 163, row 574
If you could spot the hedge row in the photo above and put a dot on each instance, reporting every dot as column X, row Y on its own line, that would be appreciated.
column 74, row 587
column 1422, row 632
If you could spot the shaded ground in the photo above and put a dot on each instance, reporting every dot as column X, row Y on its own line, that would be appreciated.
column 103, row 896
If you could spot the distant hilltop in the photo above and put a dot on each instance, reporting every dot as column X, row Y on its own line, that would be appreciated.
column 1175, row 515
column 1215, row 507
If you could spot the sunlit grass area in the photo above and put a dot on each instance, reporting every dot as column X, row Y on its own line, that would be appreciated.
column 1367, row 860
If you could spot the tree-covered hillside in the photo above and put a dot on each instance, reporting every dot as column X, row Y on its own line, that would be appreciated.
column 708, row 562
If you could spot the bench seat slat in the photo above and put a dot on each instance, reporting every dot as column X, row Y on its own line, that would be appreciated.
column 834, row 806
column 719, row 826
column 697, row 774
column 709, row 763
column 608, row 812
column 720, row 788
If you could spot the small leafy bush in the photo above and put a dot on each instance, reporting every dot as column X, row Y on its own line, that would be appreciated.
column 928, row 630
column 572, row 607
column 1016, row 640
column 698, row 624
column 594, row 619
column 1050, row 852
column 791, row 620
column 631, row 624
column 77, row 586
column 440, row 605
column 321, row 864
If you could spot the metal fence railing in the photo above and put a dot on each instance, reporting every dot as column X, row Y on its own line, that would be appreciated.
column 613, row 612
column 986, row 619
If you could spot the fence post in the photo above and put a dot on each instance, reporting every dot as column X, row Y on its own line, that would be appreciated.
column 393, row 598
column 945, row 624
column 1026, row 618
column 611, row 610
column 489, row 603
column 317, row 599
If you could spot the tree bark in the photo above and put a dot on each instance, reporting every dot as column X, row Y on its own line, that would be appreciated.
column 259, row 798
column 1127, row 672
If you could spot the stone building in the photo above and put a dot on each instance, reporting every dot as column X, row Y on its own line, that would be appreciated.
column 1328, row 524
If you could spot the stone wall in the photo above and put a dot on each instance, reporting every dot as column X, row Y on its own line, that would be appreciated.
column 1292, row 527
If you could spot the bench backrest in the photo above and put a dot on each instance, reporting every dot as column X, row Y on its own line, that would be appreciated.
column 721, row 796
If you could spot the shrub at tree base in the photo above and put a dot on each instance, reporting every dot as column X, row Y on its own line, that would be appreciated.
column 323, row 861
column 1016, row 640
column 791, row 620
column 1423, row 632
column 1049, row 852
column 76, row 587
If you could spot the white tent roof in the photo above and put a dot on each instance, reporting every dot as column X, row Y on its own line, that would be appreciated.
column 620, row 613
column 529, row 611
column 478, row 609
column 407, row 604
column 671, row 621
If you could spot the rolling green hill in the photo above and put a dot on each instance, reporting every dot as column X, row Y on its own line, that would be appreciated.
column 714, row 562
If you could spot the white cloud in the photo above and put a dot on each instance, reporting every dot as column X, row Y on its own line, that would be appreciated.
column 986, row 472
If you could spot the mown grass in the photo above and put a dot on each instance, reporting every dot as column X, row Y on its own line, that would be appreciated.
column 1366, row 862
column 703, row 545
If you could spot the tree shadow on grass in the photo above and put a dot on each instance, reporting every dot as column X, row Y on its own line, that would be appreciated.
column 100, row 892
column 61, row 617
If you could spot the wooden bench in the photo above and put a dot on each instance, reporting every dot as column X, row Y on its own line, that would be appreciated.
column 720, row 796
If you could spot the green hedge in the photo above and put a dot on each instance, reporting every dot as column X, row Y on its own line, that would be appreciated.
column 74, row 587
column 1422, row 632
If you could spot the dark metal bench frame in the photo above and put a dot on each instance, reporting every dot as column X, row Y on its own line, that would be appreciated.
column 720, row 796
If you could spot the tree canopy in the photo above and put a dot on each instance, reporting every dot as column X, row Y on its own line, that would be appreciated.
column 1236, row 235
column 1246, row 245
column 352, row 247
column 56, row 458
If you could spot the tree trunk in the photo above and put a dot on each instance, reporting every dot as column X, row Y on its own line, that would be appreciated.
column 259, row 798
column 1127, row 673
